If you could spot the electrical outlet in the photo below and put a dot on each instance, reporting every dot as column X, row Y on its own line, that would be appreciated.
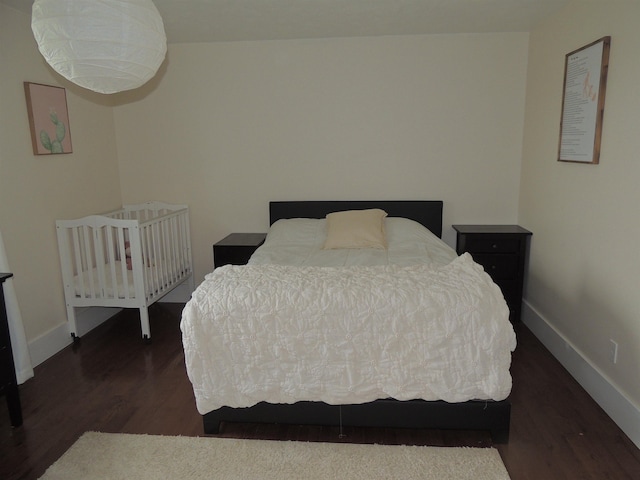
column 613, row 351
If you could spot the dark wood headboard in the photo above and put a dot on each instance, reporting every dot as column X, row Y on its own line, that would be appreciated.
column 425, row 212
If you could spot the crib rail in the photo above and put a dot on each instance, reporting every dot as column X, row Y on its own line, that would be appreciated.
column 93, row 255
column 166, row 254
column 111, row 256
column 145, row 211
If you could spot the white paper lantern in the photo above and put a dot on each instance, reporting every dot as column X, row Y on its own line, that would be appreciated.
column 107, row 46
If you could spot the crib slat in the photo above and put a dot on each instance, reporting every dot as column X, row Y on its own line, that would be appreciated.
column 183, row 246
column 185, row 251
column 88, row 259
column 146, row 239
column 157, row 254
column 187, row 243
column 173, row 246
column 118, row 246
column 78, row 260
column 179, row 244
column 110, row 258
column 99, row 259
column 165, row 264
column 137, row 264
column 163, row 270
column 154, row 246
column 124, row 266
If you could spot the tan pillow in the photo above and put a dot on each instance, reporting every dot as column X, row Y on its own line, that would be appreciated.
column 356, row 229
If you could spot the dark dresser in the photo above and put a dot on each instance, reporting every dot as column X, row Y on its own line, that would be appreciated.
column 502, row 251
column 8, row 382
column 236, row 248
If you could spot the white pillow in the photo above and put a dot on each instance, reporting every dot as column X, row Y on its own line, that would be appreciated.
column 356, row 229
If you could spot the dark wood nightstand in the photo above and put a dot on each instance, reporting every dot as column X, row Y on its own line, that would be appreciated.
column 502, row 251
column 8, row 382
column 236, row 249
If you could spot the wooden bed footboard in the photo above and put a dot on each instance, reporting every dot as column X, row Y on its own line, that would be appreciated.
column 493, row 416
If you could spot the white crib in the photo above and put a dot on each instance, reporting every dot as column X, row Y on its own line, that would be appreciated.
column 128, row 258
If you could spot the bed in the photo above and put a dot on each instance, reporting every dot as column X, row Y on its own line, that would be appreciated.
column 127, row 258
column 245, row 326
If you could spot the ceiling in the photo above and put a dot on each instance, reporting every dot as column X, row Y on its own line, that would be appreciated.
column 234, row 20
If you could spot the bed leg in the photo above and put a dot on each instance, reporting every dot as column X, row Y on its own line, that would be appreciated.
column 211, row 424
column 501, row 424
column 144, row 324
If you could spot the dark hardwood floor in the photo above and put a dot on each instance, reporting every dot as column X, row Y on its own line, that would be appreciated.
column 115, row 383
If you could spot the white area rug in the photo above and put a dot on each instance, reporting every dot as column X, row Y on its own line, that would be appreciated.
column 124, row 456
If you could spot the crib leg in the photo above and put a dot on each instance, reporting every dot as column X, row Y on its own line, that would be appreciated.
column 71, row 318
column 144, row 324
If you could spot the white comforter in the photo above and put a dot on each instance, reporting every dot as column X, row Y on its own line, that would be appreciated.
column 347, row 335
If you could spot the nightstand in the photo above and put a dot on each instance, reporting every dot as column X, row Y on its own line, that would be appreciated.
column 502, row 251
column 237, row 248
column 8, row 382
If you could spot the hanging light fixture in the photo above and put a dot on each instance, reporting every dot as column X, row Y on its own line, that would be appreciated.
column 107, row 46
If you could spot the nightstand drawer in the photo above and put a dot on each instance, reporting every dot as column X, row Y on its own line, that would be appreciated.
column 489, row 244
column 498, row 266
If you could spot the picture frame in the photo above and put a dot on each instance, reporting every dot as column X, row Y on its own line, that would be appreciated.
column 585, row 82
column 48, row 119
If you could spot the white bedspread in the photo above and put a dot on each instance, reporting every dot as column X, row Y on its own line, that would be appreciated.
column 347, row 335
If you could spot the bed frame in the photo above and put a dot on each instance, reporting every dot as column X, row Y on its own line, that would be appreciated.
column 493, row 416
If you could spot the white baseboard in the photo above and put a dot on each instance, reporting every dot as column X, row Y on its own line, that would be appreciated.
column 622, row 410
column 47, row 345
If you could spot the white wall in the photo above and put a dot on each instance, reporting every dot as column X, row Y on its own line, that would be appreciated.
column 37, row 190
column 584, row 270
column 230, row 126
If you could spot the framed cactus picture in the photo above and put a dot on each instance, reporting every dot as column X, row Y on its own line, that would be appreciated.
column 48, row 119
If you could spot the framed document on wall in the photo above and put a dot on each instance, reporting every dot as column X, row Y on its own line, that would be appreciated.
column 585, row 82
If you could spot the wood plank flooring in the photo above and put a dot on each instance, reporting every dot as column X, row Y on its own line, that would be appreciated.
column 115, row 383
